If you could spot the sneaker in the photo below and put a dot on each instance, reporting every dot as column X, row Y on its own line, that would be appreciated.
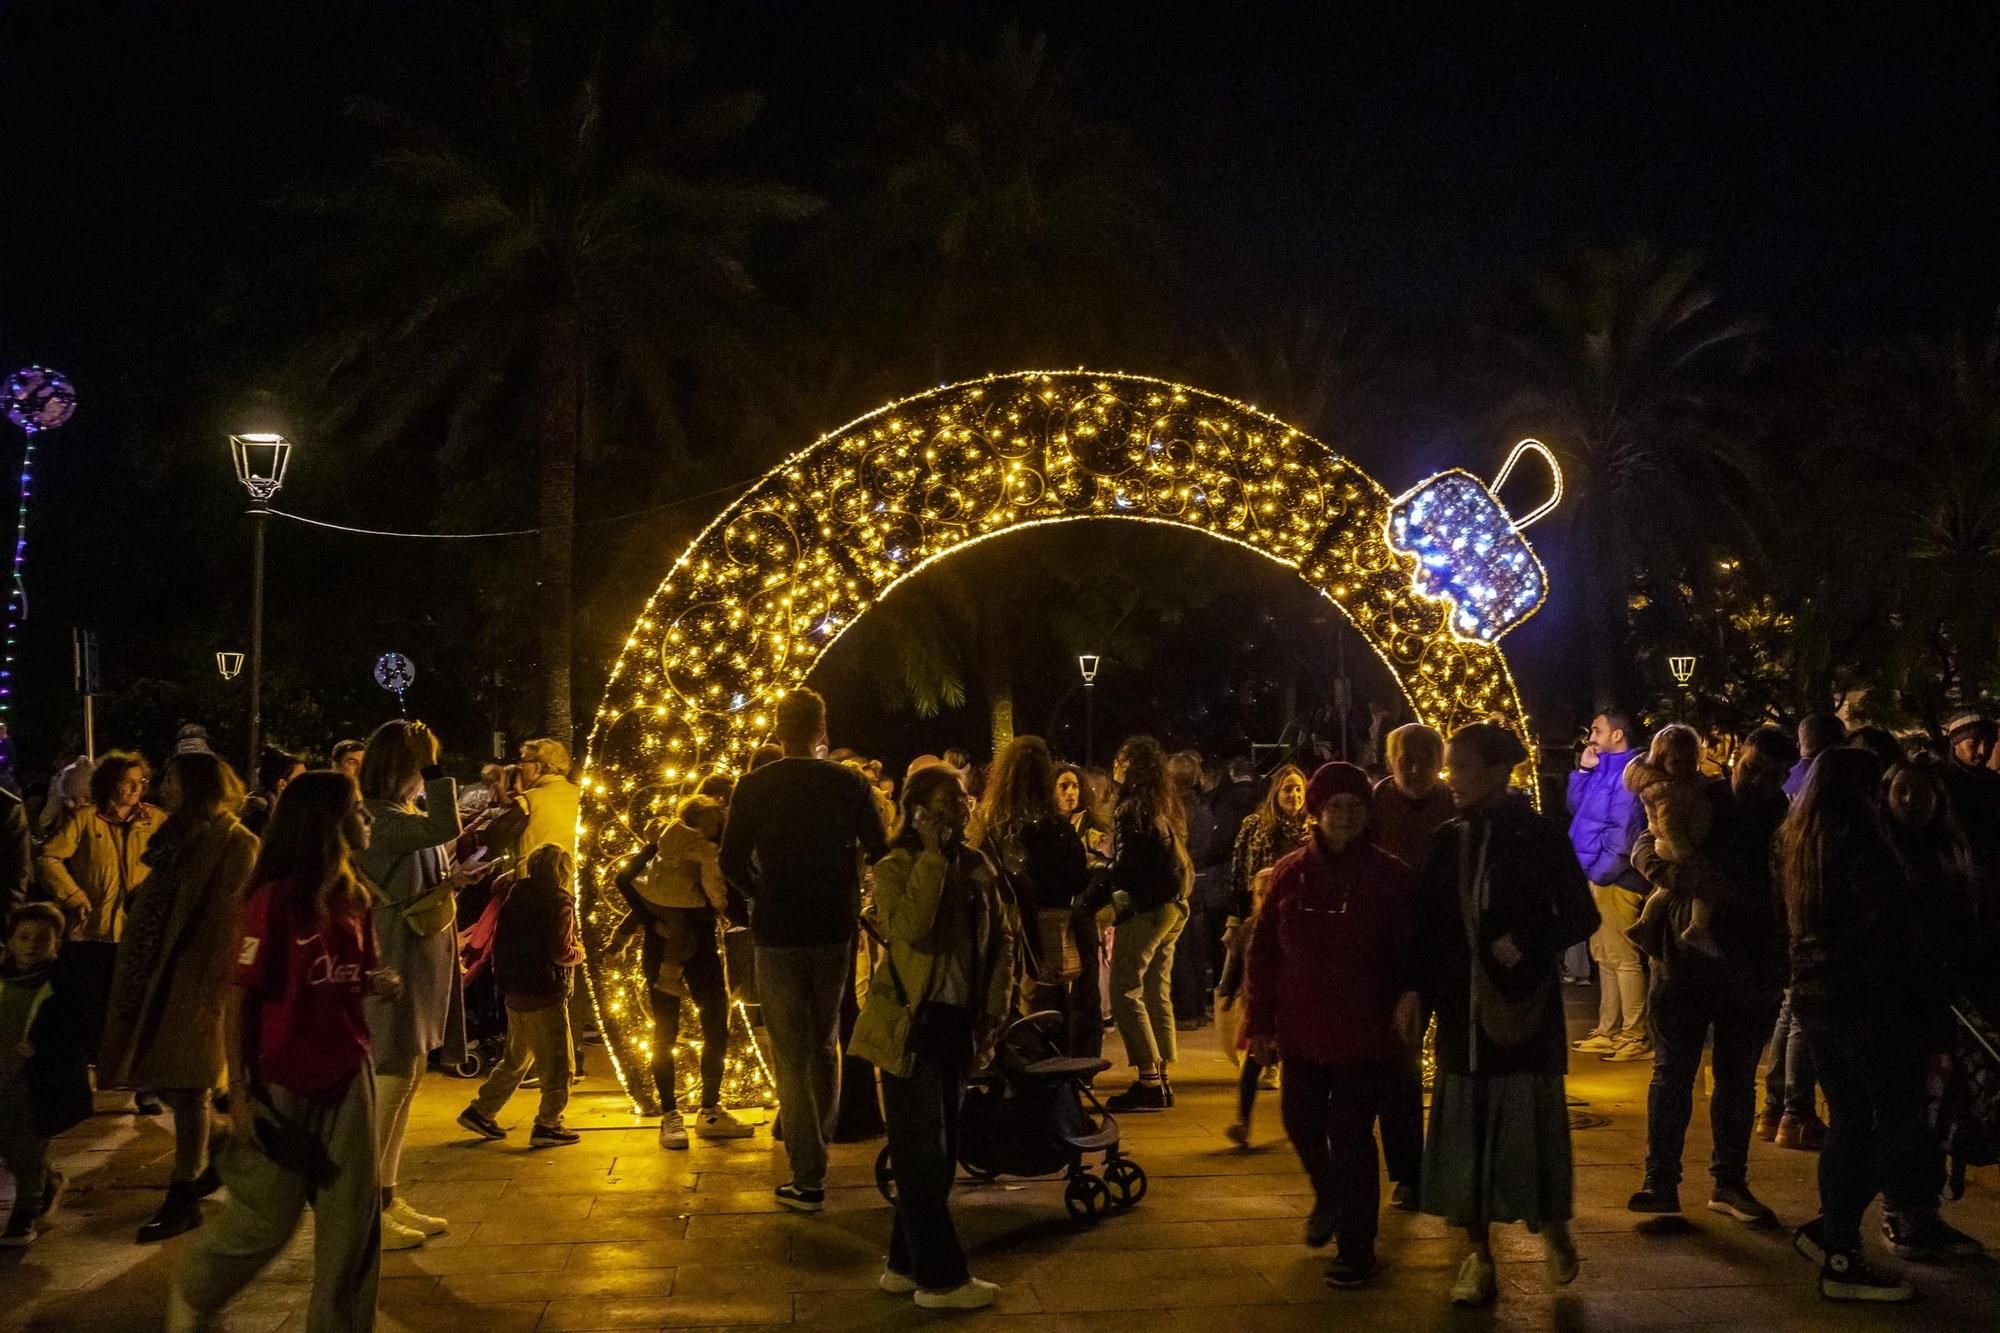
column 1926, row 1237
column 1807, row 1134
column 1656, row 1197
column 1352, row 1270
column 1145, row 1094
column 1475, row 1283
column 423, row 1223
column 673, row 1131
column 553, row 1136
column 971, row 1294
column 474, row 1121
column 1319, row 1229
column 896, row 1284
column 1810, row 1240
column 1847, row 1277
column 396, row 1236
column 19, row 1238
column 53, row 1185
column 1403, row 1198
column 1597, row 1043
column 715, row 1123
column 803, row 1200
column 1238, row 1134
column 1629, row 1051
column 1767, row 1124
column 1738, row 1202
column 1562, row 1260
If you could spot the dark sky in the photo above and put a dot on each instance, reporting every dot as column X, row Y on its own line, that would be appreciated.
column 1835, row 163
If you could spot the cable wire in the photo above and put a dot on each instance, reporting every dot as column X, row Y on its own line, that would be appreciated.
column 512, row 532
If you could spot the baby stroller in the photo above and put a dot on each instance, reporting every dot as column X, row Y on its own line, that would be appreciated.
column 1033, row 1114
column 1971, row 1111
column 485, row 1009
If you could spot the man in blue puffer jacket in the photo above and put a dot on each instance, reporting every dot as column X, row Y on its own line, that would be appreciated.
column 1605, row 820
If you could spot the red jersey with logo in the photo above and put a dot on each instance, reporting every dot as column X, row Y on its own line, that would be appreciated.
column 308, row 973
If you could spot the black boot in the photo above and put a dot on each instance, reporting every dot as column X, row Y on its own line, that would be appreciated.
column 181, row 1212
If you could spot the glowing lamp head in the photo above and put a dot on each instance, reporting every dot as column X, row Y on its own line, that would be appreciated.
column 1469, row 552
column 261, row 457
column 229, row 665
column 1087, row 664
column 1683, row 668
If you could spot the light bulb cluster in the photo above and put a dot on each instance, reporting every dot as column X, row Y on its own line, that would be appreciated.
column 779, row 576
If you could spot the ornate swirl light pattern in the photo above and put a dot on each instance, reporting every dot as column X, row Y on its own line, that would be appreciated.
column 781, row 574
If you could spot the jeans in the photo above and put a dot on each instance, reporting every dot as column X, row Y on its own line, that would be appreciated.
column 702, row 974
column 922, row 1116
column 23, row 1152
column 1790, row 1084
column 1142, row 961
column 1681, row 1017
column 395, row 1092
column 1621, row 975
column 1872, row 1071
column 1247, row 1080
column 801, row 986
column 266, row 1201
column 1086, row 1009
column 537, row 1039
column 1329, row 1115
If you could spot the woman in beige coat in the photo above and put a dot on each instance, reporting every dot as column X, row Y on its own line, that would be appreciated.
column 163, row 1021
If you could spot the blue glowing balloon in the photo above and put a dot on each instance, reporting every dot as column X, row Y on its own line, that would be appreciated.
column 395, row 672
column 39, row 399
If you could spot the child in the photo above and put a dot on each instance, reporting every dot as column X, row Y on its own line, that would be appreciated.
column 535, row 955
column 677, row 895
column 1668, row 783
column 44, row 1088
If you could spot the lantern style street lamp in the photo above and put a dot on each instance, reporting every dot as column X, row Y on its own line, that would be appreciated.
column 1683, row 668
column 1086, row 663
column 230, row 665
column 260, row 458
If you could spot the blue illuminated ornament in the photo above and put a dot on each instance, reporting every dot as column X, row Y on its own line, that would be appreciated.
column 38, row 399
column 396, row 673
column 1469, row 553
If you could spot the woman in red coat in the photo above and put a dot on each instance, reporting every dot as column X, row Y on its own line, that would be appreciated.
column 1326, row 971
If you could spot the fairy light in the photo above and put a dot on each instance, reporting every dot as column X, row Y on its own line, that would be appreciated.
column 786, row 571
column 38, row 399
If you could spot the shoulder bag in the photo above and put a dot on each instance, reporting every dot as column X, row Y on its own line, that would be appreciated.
column 1506, row 1022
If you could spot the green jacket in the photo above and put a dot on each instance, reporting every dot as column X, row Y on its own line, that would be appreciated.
column 908, row 888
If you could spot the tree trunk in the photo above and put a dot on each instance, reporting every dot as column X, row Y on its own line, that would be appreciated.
column 559, row 389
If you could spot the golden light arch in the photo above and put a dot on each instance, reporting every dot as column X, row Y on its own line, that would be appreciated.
column 773, row 583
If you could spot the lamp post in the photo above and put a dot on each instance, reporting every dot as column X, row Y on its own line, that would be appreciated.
column 260, row 459
column 1682, row 665
column 1087, row 664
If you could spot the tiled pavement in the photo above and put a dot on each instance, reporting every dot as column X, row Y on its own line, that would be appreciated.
column 614, row 1233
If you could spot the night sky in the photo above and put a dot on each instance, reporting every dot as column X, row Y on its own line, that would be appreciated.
column 1833, row 163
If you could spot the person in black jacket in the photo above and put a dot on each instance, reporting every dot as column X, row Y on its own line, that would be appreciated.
column 1150, row 879
column 44, row 1085
column 535, row 955
column 1501, row 895
column 1040, row 856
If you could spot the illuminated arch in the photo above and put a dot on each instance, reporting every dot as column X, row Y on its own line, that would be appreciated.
column 779, row 576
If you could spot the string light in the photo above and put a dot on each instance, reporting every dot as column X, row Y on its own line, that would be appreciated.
column 38, row 399
column 785, row 571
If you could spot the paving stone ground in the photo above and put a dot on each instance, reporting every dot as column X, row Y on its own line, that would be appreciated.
column 614, row 1233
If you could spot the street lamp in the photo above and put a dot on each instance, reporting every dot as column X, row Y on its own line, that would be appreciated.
column 260, row 458
column 1683, row 668
column 230, row 665
column 1087, row 664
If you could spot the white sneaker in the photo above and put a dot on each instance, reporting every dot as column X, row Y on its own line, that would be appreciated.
column 1475, row 1282
column 972, row 1294
column 896, row 1284
column 715, row 1123
column 1597, row 1044
column 424, row 1223
column 1629, row 1051
column 396, row 1236
column 673, row 1133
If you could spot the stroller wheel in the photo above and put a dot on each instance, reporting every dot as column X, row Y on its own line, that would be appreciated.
column 472, row 1065
column 1126, row 1180
column 885, row 1177
column 1087, row 1200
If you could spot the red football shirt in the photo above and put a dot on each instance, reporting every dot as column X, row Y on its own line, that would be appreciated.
column 308, row 974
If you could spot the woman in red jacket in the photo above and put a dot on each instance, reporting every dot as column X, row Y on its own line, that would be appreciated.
column 1326, row 971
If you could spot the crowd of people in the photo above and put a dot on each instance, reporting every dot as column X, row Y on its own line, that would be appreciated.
column 278, row 969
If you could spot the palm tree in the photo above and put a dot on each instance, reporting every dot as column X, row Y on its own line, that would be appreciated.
column 551, row 248
column 1620, row 358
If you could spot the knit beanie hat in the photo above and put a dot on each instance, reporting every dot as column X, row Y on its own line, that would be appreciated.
column 1335, row 779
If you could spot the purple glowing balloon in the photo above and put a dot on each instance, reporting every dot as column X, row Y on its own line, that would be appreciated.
column 39, row 399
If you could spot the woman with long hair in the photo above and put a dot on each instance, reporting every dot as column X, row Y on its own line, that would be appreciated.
column 1150, row 879
column 934, row 1007
column 1854, row 991
column 1944, row 908
column 1039, row 855
column 1499, row 899
column 163, row 1025
column 1078, row 801
column 301, row 1083
column 1271, row 832
column 407, row 866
